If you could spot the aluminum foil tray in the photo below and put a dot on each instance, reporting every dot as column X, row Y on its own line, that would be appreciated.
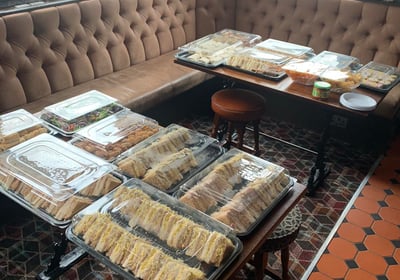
column 169, row 158
column 143, row 233
column 238, row 189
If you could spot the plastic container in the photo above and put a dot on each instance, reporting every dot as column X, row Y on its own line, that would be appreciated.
column 110, row 137
column 169, row 157
column 379, row 77
column 54, row 179
column 147, row 234
column 17, row 127
column 321, row 90
column 304, row 72
column 341, row 80
column 337, row 61
column 286, row 48
column 238, row 189
column 74, row 113
column 259, row 62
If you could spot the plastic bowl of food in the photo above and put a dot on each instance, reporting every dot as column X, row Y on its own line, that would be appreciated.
column 342, row 80
column 304, row 72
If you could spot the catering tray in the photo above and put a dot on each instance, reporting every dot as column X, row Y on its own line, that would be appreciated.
column 258, row 62
column 148, row 234
column 72, row 114
column 169, row 157
column 337, row 60
column 111, row 136
column 379, row 77
column 304, row 72
column 54, row 179
column 238, row 189
column 286, row 48
column 19, row 126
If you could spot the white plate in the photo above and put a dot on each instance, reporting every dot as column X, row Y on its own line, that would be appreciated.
column 357, row 101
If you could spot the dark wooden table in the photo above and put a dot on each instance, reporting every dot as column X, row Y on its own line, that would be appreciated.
column 258, row 236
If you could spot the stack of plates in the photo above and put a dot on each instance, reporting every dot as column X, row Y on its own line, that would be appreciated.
column 357, row 101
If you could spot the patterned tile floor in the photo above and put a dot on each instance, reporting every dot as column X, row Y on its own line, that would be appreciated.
column 26, row 242
column 366, row 244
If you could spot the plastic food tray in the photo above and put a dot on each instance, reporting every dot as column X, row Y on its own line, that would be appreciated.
column 54, row 179
column 286, row 48
column 337, row 60
column 238, row 189
column 72, row 114
column 146, row 233
column 379, row 77
column 17, row 127
column 304, row 72
column 259, row 62
column 110, row 137
column 169, row 157
column 341, row 80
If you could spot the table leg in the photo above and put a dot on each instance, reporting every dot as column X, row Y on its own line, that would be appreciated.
column 61, row 261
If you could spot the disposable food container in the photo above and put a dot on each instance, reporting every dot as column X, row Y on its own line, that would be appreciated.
column 238, row 189
column 110, row 137
column 341, row 80
column 148, row 234
column 17, row 127
column 54, row 179
column 286, row 48
column 304, row 72
column 77, row 112
column 259, row 62
column 337, row 60
column 379, row 77
column 169, row 157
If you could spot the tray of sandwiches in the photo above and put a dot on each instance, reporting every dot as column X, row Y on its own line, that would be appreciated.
column 238, row 189
column 110, row 137
column 286, row 48
column 143, row 233
column 337, row 60
column 212, row 50
column 19, row 126
column 54, row 179
column 72, row 114
column 169, row 158
column 379, row 77
column 258, row 62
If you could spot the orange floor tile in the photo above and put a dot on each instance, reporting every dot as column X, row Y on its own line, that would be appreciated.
column 366, row 244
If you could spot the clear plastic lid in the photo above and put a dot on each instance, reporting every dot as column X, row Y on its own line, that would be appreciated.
column 47, row 173
column 148, row 234
column 113, row 135
column 304, row 72
column 258, row 61
column 337, row 60
column 380, row 77
column 168, row 158
column 293, row 50
column 17, row 127
column 80, row 111
column 341, row 80
column 238, row 189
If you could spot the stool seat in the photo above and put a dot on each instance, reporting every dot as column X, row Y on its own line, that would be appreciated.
column 238, row 107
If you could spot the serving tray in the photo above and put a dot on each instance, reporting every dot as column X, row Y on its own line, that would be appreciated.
column 379, row 77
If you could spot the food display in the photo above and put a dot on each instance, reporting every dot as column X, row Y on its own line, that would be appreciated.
column 337, row 60
column 114, row 135
column 77, row 112
column 144, row 233
column 214, row 49
column 379, row 77
column 238, row 189
column 286, row 48
column 54, row 179
column 168, row 158
column 341, row 80
column 255, row 61
column 17, row 127
column 304, row 72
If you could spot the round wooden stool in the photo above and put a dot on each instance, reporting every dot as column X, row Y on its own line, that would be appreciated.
column 284, row 234
column 237, row 107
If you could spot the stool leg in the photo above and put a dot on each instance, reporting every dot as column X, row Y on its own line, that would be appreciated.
column 240, row 130
column 260, row 262
column 256, row 137
column 216, row 122
column 285, row 263
column 229, row 135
